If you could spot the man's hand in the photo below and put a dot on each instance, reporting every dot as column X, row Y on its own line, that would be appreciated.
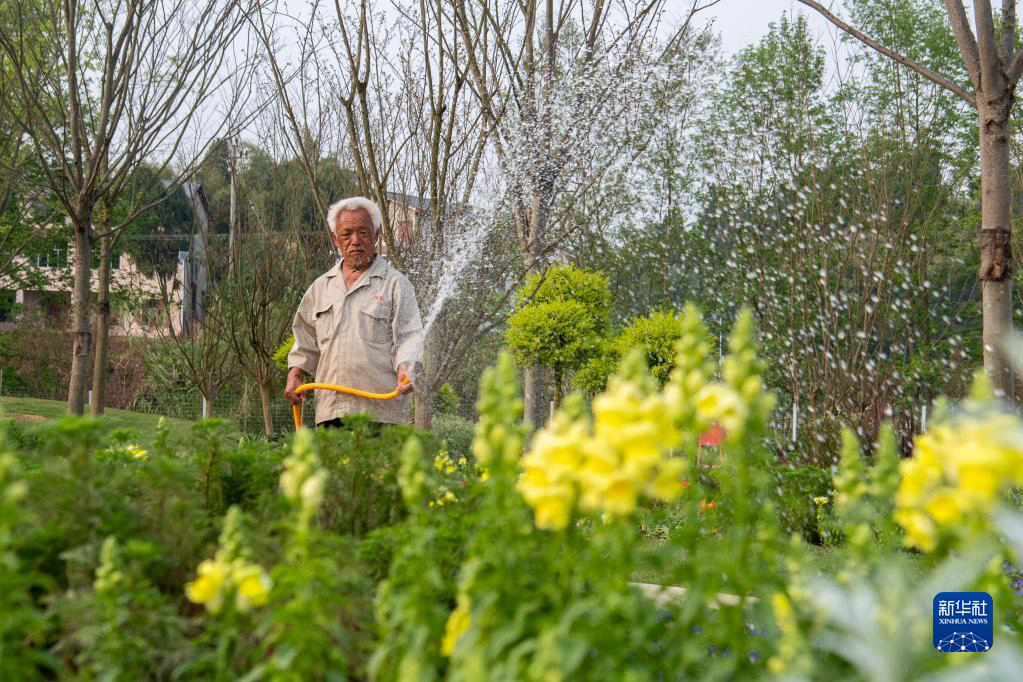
column 296, row 377
column 405, row 383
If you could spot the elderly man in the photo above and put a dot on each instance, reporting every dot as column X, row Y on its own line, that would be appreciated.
column 358, row 325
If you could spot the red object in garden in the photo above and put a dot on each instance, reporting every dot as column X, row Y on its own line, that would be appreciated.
column 714, row 436
column 685, row 483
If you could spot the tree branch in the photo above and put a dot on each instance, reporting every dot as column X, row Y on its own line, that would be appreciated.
column 1015, row 69
column 965, row 39
column 1008, row 30
column 891, row 54
column 991, row 73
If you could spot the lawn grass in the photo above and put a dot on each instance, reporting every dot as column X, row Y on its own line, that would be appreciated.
column 29, row 411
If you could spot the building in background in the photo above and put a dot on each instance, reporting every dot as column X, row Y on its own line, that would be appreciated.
column 140, row 295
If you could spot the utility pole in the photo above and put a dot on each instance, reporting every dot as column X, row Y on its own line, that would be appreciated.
column 234, row 154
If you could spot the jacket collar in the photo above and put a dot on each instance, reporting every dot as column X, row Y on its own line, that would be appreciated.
column 377, row 269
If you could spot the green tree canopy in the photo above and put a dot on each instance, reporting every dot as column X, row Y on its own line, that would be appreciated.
column 155, row 236
column 656, row 335
column 561, row 319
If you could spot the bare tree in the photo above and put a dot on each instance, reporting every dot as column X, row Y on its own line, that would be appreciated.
column 422, row 129
column 432, row 155
column 208, row 360
column 409, row 132
column 258, row 299
column 994, row 64
column 566, row 88
column 20, row 199
column 135, row 76
column 25, row 213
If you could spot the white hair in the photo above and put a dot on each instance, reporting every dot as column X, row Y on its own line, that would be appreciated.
column 355, row 204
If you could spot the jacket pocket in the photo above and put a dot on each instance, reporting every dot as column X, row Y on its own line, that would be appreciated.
column 324, row 318
column 375, row 322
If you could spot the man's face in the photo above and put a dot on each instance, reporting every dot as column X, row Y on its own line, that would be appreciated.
column 354, row 238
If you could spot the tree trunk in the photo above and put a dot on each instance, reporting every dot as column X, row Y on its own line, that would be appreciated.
column 232, row 220
column 264, row 399
column 535, row 396
column 995, row 237
column 80, row 354
column 99, row 368
column 558, row 394
column 429, row 383
column 208, row 412
column 534, row 387
column 424, row 396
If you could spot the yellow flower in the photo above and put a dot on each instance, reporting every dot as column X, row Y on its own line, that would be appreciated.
column 136, row 452
column 208, row 588
column 719, row 403
column 536, row 475
column 791, row 643
column 303, row 479
column 956, row 476
column 944, row 507
column 228, row 573
column 614, row 409
column 553, row 507
column 920, row 530
column 607, row 465
column 640, row 448
column 290, row 483
column 442, row 462
column 619, row 495
column 667, row 485
column 982, row 483
column 253, row 586
column 312, row 489
column 558, row 454
column 108, row 576
column 782, row 607
column 458, row 623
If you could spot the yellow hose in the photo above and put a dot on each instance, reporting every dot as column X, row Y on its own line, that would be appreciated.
column 296, row 410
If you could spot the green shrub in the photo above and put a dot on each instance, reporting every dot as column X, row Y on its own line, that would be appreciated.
column 24, row 627
column 280, row 356
column 446, row 401
column 798, row 491
column 567, row 283
column 656, row 335
column 456, row 431
column 214, row 557
column 377, row 548
column 561, row 335
column 362, row 459
column 123, row 628
column 550, row 548
column 559, row 321
column 99, row 561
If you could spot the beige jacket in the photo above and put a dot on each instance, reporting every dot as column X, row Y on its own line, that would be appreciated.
column 359, row 338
